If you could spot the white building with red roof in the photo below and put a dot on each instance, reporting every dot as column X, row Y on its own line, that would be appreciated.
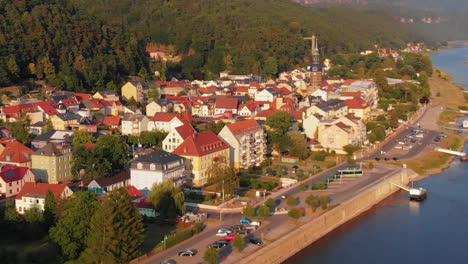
column 226, row 104
column 33, row 195
column 201, row 151
column 177, row 136
column 247, row 141
column 165, row 122
column 15, row 153
column 12, row 179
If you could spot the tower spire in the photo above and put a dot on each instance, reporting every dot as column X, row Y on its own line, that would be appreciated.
column 315, row 50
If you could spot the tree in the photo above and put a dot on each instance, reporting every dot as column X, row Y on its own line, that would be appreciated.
column 248, row 211
column 117, row 230
column 10, row 212
column 49, row 209
column 82, row 137
column 211, row 255
column 154, row 93
column 298, row 145
column 324, row 200
column 224, row 177
column 291, row 201
column 270, row 67
column 168, row 199
column 295, row 213
column 113, row 149
column 279, row 122
column 303, row 186
column 313, row 202
column 216, row 127
column 264, row 211
column 270, row 202
column 350, row 149
column 33, row 215
column 20, row 129
column 239, row 243
column 73, row 226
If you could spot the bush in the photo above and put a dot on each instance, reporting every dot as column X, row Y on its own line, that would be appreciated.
column 248, row 211
column 264, row 185
column 211, row 255
column 313, row 202
column 371, row 165
column 239, row 243
column 303, row 187
column 291, row 201
column 331, row 164
column 270, row 202
column 295, row 213
column 263, row 211
column 321, row 186
column 324, row 200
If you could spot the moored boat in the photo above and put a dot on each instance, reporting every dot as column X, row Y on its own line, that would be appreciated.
column 419, row 194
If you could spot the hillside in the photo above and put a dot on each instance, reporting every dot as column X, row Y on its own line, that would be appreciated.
column 49, row 39
column 262, row 36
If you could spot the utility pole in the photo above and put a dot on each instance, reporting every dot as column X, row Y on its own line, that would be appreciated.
column 223, row 190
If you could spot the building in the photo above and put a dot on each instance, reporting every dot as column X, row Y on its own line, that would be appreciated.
column 134, row 124
column 165, row 122
column 14, row 153
column 226, row 104
column 201, row 151
column 12, row 179
column 109, row 95
column 334, row 108
column 315, row 69
column 359, row 108
column 266, row 95
column 53, row 136
column 136, row 90
column 33, row 195
column 247, row 141
column 367, row 88
column 52, row 163
column 108, row 184
column 155, row 168
column 177, row 136
column 161, row 105
column 337, row 133
column 65, row 121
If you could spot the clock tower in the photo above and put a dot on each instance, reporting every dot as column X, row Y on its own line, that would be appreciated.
column 315, row 69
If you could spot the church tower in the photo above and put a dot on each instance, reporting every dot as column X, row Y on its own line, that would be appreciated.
column 315, row 69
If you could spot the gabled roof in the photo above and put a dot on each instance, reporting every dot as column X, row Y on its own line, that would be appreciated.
column 69, row 116
column 11, row 173
column 158, row 157
column 332, row 104
column 112, row 120
column 201, row 144
column 52, row 149
column 107, row 181
column 163, row 117
column 134, row 192
column 245, row 126
column 133, row 117
column 82, row 96
column 15, row 152
column 356, row 103
column 227, row 102
column 40, row 189
column 185, row 130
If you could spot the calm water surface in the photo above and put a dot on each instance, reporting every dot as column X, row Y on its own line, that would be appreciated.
column 399, row 231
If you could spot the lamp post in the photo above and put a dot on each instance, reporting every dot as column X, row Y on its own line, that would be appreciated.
column 164, row 242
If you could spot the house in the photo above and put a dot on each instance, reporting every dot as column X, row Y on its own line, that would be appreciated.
column 136, row 90
column 337, row 133
column 368, row 88
column 226, row 104
column 249, row 109
column 134, row 124
column 311, row 124
column 15, row 153
column 144, row 206
column 33, row 195
column 108, row 184
column 52, row 163
column 201, row 151
column 161, row 105
column 156, row 167
column 109, row 95
column 247, row 141
column 333, row 108
column 266, row 95
column 165, row 122
column 53, row 136
column 358, row 107
column 113, row 122
column 172, row 87
column 65, row 121
column 12, row 179
column 176, row 136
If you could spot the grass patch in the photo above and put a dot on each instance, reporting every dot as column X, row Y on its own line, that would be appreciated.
column 154, row 234
column 446, row 117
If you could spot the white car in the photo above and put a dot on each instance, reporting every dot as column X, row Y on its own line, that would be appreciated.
column 251, row 227
column 224, row 232
column 256, row 223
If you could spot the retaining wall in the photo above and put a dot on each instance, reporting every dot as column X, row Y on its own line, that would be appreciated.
column 285, row 247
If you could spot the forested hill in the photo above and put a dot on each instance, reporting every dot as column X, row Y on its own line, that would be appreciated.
column 259, row 36
column 50, row 39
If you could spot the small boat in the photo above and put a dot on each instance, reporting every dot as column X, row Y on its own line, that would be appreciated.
column 419, row 194
column 464, row 158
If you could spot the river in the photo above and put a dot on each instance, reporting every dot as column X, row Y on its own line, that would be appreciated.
column 400, row 231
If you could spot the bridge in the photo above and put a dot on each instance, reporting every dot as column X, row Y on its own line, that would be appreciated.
column 458, row 153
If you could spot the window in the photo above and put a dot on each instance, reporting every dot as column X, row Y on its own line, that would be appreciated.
column 11, row 191
column 37, row 201
column 140, row 165
column 9, row 184
column 152, row 166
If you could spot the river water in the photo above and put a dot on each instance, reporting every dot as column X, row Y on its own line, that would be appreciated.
column 399, row 231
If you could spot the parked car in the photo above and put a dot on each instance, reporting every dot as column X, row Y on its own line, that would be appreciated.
column 224, row 232
column 284, row 196
column 229, row 237
column 377, row 158
column 271, row 173
column 251, row 227
column 237, row 227
column 256, row 223
column 220, row 244
column 188, row 253
column 245, row 221
column 255, row 241
column 395, row 158
column 243, row 232
column 171, row 261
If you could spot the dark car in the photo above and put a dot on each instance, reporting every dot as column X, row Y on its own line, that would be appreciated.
column 220, row 244
column 377, row 158
column 395, row 158
column 187, row 253
column 237, row 227
column 386, row 158
column 242, row 232
column 171, row 261
column 256, row 241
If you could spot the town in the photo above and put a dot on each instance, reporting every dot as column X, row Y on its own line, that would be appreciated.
column 205, row 146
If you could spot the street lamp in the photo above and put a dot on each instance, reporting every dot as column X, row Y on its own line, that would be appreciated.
column 164, row 242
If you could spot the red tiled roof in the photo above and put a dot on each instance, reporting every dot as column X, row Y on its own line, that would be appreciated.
column 89, row 145
column 11, row 173
column 185, row 130
column 350, row 81
column 83, row 96
column 266, row 113
column 144, row 203
column 172, row 83
column 242, row 89
column 112, row 120
column 245, row 126
column 227, row 102
column 134, row 192
column 208, row 90
column 41, row 189
column 69, row 102
column 201, row 144
column 17, row 152
column 163, row 117
column 97, row 103
column 356, row 103
column 47, row 108
column 351, row 94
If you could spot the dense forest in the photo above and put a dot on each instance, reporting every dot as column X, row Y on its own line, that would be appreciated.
column 50, row 39
column 262, row 36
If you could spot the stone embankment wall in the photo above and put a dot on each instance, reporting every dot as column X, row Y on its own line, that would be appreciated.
column 285, row 247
